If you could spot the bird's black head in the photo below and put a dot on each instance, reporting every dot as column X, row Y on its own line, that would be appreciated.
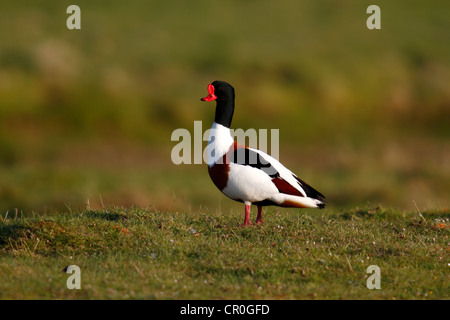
column 223, row 93
column 219, row 90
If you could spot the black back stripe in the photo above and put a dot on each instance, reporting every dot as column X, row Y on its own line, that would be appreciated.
column 248, row 157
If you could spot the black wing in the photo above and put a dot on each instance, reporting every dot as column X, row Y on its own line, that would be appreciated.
column 310, row 191
column 248, row 157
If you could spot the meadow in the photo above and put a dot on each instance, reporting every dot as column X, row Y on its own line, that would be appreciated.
column 144, row 254
column 86, row 118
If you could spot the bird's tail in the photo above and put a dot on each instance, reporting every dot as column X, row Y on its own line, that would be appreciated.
column 312, row 193
column 300, row 202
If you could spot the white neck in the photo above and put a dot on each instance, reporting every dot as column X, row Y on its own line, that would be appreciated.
column 219, row 142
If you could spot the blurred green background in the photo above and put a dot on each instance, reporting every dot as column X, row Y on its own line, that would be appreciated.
column 87, row 115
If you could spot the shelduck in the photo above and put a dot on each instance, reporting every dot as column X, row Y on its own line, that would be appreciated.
column 246, row 174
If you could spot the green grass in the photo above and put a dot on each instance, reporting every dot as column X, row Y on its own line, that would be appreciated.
column 86, row 118
column 145, row 254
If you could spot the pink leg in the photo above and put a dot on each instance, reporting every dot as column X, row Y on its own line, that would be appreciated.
column 247, row 215
column 259, row 217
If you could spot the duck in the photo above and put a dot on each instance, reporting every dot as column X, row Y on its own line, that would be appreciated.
column 249, row 175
